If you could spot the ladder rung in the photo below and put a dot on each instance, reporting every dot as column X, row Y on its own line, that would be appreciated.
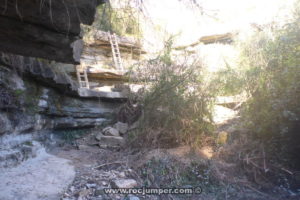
column 115, row 50
column 82, row 78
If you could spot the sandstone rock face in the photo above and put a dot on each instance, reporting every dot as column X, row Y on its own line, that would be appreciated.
column 45, row 29
column 53, row 75
column 67, row 106
column 62, row 123
column 84, row 92
column 98, row 45
column 41, row 71
column 5, row 124
column 28, row 172
column 36, row 96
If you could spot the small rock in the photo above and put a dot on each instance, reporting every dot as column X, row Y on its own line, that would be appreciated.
column 133, row 198
column 121, row 127
column 82, row 147
column 43, row 103
column 124, row 183
column 128, row 172
column 103, row 146
column 66, row 194
column 104, row 183
column 112, row 140
column 93, row 185
column 110, row 131
column 99, row 136
column 122, row 175
column 72, row 188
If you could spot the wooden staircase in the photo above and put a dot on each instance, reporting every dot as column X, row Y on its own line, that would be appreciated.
column 82, row 77
column 115, row 51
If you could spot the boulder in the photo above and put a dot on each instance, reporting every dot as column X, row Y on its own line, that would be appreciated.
column 124, row 183
column 121, row 127
column 109, row 131
column 112, row 140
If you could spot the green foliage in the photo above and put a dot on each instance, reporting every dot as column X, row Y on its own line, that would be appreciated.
column 272, row 60
column 227, row 82
column 19, row 92
column 122, row 21
column 176, row 106
column 275, row 81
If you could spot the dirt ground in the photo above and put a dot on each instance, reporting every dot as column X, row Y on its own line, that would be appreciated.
column 97, row 168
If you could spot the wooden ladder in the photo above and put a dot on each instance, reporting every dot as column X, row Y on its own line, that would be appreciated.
column 82, row 77
column 115, row 51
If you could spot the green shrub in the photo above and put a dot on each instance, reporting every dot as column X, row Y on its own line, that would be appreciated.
column 122, row 21
column 227, row 82
column 272, row 60
column 176, row 104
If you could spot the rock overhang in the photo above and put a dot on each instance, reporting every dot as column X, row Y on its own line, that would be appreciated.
column 47, row 29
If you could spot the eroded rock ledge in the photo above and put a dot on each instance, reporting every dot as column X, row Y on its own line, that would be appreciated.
column 36, row 95
column 45, row 28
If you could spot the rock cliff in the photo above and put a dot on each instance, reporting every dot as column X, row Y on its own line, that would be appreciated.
column 35, row 95
column 45, row 28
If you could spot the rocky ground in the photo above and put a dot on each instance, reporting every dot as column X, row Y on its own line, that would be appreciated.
column 102, row 160
column 27, row 171
column 83, row 166
column 80, row 166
